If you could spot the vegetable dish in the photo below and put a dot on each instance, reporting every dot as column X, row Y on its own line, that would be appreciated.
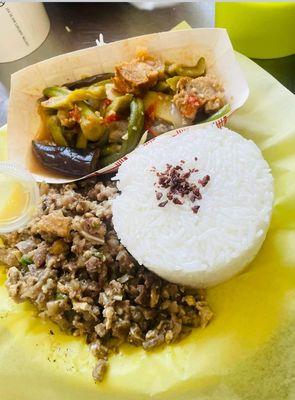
column 91, row 123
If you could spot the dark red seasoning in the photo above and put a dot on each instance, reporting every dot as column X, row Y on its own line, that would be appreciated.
column 175, row 180
column 204, row 180
column 159, row 195
column 186, row 175
column 177, row 201
column 197, row 194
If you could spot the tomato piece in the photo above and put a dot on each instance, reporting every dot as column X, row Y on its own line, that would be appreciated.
column 107, row 102
column 150, row 111
column 112, row 117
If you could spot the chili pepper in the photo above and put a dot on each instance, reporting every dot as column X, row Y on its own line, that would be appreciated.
column 134, row 130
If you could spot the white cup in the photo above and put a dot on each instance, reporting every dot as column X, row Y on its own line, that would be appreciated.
column 23, row 27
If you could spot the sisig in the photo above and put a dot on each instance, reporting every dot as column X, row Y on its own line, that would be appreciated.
column 70, row 264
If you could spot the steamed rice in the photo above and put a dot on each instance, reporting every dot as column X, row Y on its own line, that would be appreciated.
column 204, row 248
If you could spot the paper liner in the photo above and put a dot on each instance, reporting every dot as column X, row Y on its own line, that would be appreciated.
column 185, row 46
column 246, row 352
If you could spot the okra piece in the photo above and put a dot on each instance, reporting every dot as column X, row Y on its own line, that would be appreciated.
column 57, row 102
column 81, row 142
column 191, row 72
column 65, row 101
column 110, row 149
column 92, row 92
column 104, row 139
column 119, row 104
column 94, row 104
column 134, row 130
column 162, row 86
column 54, row 128
column 91, row 123
column 54, row 91
column 70, row 135
column 220, row 113
column 172, row 82
column 57, row 97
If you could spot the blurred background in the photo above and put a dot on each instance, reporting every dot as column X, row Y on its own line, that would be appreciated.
column 31, row 32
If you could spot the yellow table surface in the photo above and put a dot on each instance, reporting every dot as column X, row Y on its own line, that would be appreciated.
column 246, row 353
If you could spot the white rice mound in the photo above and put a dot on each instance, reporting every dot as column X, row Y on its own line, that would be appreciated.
column 203, row 249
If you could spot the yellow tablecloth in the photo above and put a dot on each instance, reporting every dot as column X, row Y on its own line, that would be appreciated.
column 247, row 352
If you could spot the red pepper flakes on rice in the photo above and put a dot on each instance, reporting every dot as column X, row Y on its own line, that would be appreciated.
column 176, row 182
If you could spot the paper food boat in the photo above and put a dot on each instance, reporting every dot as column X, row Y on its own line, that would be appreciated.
column 185, row 46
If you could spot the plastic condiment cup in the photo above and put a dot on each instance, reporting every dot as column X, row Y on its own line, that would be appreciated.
column 19, row 197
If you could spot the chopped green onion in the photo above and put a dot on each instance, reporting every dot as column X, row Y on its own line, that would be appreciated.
column 60, row 296
column 25, row 261
column 100, row 255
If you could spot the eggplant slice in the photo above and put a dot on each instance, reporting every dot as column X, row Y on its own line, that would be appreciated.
column 66, row 160
column 89, row 81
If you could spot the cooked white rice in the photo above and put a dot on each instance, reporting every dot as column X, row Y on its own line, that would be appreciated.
column 211, row 246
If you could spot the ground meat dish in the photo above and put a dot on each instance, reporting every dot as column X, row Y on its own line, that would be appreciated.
column 69, row 263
